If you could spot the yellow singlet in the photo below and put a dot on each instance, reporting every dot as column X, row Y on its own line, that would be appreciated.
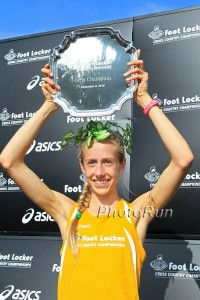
column 110, row 258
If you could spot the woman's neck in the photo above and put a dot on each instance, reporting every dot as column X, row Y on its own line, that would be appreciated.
column 102, row 203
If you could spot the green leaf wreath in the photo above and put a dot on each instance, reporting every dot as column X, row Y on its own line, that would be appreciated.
column 100, row 132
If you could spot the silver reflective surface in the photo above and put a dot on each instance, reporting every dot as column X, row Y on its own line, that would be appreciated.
column 90, row 72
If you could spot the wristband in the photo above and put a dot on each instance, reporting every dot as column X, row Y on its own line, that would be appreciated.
column 150, row 105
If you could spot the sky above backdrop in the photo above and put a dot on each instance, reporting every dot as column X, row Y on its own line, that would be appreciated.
column 19, row 18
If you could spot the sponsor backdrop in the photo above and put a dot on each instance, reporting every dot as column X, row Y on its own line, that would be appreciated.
column 29, row 268
column 21, row 62
column 169, row 43
column 171, row 270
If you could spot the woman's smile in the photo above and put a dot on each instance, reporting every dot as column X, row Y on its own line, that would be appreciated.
column 101, row 182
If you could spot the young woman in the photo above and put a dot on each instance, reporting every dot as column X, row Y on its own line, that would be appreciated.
column 102, row 253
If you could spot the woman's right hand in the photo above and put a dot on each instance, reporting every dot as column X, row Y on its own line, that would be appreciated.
column 49, row 87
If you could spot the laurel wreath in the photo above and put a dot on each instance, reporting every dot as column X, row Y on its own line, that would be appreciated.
column 100, row 132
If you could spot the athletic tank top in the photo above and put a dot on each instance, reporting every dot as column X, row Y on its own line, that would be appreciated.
column 110, row 258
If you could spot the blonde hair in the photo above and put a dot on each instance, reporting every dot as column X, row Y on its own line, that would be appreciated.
column 83, row 204
column 84, row 199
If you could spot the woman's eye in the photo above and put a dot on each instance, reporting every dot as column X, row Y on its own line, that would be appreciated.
column 91, row 163
column 108, row 162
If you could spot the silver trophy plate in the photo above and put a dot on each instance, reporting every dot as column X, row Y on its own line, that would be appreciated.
column 89, row 65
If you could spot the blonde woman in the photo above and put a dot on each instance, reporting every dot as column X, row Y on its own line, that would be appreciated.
column 102, row 253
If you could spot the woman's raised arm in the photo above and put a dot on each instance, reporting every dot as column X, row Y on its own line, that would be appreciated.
column 12, row 158
column 179, row 151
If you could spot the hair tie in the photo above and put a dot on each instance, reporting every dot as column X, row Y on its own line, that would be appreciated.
column 78, row 215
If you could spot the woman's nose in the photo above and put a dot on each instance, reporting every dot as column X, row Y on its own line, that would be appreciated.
column 99, row 170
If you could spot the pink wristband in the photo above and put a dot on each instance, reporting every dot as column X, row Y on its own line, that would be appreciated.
column 149, row 106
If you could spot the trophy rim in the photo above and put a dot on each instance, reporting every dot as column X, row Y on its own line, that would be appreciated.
column 72, row 37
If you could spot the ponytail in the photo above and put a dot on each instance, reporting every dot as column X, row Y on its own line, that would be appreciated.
column 83, row 204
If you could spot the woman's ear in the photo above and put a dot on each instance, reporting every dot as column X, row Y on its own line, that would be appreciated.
column 123, row 165
column 82, row 166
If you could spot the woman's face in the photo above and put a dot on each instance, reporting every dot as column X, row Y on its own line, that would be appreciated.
column 102, row 168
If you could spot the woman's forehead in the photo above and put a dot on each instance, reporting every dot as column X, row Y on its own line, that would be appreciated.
column 99, row 150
